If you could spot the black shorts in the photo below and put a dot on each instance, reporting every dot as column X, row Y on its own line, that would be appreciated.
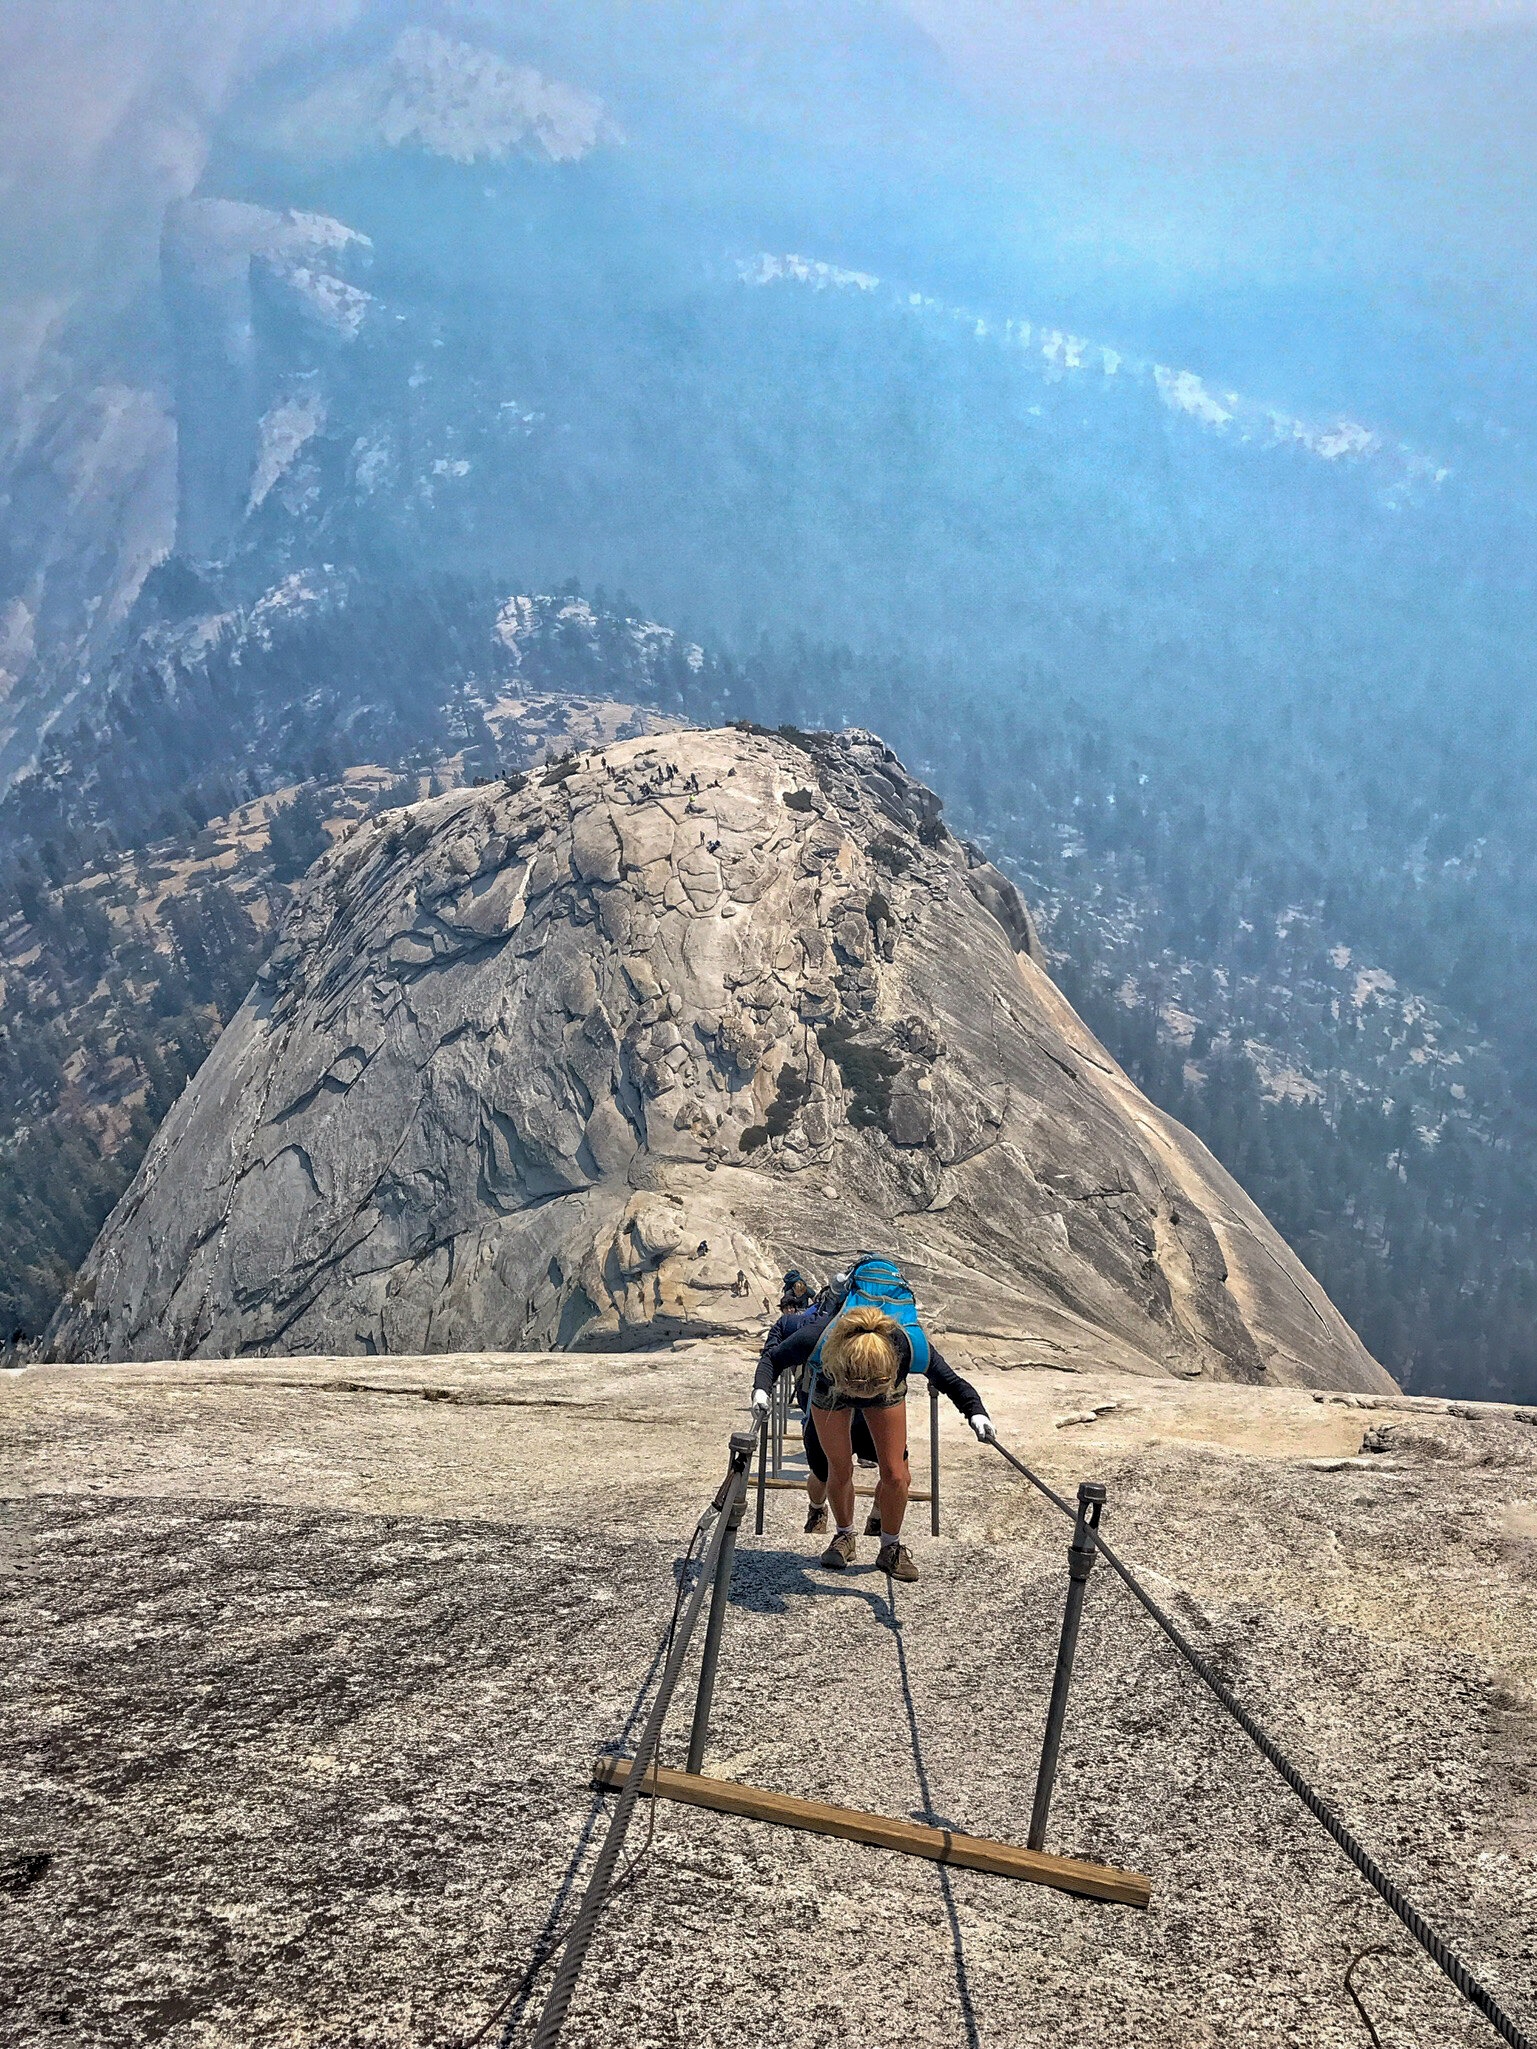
column 825, row 1396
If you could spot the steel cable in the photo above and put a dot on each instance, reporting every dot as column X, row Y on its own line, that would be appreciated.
column 550, row 1944
column 574, row 1950
column 1432, row 1944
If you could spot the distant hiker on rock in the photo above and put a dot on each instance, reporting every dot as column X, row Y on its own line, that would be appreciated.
column 862, row 1347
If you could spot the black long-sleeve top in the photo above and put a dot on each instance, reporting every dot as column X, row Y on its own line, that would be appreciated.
column 791, row 1320
column 796, row 1347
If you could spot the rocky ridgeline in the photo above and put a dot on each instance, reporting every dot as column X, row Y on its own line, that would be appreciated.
column 585, row 1058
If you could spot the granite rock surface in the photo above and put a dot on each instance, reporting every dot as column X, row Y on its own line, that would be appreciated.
column 306, row 1663
column 586, row 1059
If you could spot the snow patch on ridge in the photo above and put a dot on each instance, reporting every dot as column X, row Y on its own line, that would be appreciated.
column 205, row 232
column 449, row 99
column 1183, row 392
column 218, row 241
column 330, row 300
column 802, row 270
column 1057, row 354
column 283, row 431
column 467, row 104
column 530, row 617
column 295, row 594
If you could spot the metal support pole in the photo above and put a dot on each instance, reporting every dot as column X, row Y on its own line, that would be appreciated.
column 1080, row 1561
column 933, row 1460
column 778, row 1414
column 763, row 1425
column 720, row 1594
column 573, row 1949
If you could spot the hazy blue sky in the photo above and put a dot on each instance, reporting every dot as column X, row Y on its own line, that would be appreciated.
column 1383, row 147
column 1015, row 48
column 71, row 69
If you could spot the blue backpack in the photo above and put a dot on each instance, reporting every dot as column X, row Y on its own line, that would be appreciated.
column 873, row 1283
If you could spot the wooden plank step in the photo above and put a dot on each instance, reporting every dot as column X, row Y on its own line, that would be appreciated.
column 913, row 1838
column 791, row 1480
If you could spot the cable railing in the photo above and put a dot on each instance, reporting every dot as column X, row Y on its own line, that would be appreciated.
column 1087, row 1543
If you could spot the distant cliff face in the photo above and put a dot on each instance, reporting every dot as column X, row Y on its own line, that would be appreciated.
column 586, row 1062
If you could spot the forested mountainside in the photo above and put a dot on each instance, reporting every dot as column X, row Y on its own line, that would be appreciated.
column 1337, row 1035
column 1232, row 670
column 146, row 866
column 1307, row 959
column 430, row 311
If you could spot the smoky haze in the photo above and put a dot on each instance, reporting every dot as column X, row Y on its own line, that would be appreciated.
column 1172, row 139
column 104, row 115
column 1128, row 410
column 1056, row 43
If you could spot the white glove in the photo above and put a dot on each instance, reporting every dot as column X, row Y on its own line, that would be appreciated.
column 982, row 1423
column 760, row 1400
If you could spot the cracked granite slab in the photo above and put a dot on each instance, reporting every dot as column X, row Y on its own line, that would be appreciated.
column 587, row 1059
column 307, row 1662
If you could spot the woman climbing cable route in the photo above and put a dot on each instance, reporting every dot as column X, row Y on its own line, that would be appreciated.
column 863, row 1348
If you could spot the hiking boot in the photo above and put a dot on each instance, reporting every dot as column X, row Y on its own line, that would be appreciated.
column 896, row 1560
column 840, row 1552
column 816, row 1517
column 873, row 1523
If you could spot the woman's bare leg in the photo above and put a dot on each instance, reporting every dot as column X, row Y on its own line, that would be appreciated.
column 888, row 1428
column 833, row 1429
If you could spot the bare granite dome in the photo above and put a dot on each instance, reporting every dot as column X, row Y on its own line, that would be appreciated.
column 586, row 1060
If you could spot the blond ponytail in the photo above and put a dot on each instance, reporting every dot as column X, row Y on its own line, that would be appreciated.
column 862, row 1354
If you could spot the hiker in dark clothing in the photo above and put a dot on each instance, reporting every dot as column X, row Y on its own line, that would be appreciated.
column 795, row 1292
column 863, row 1359
column 799, row 1304
column 784, row 1325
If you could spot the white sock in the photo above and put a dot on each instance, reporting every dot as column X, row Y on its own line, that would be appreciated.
column 845, row 1531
